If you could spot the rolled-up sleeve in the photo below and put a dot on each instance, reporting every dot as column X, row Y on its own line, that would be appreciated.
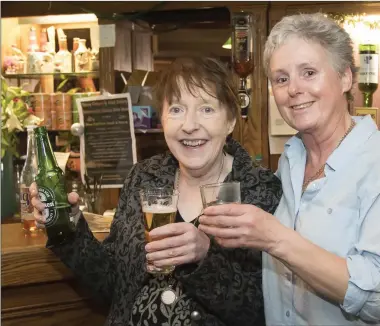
column 363, row 263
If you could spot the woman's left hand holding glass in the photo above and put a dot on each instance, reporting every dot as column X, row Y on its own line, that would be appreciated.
column 240, row 225
column 176, row 244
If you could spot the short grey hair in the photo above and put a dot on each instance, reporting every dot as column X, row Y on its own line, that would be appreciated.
column 319, row 29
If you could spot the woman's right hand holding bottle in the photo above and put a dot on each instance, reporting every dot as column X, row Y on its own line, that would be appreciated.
column 39, row 206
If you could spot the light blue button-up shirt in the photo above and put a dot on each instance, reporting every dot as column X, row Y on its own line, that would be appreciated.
column 340, row 213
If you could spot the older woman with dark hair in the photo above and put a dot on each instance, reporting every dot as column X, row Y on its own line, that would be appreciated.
column 322, row 246
column 213, row 285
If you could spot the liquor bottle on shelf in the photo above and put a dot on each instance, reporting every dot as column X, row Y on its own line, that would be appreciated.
column 34, row 61
column 43, row 40
column 33, row 45
column 368, row 72
column 82, row 57
column 63, row 57
column 75, row 47
column 50, row 180
column 242, row 56
column 27, row 177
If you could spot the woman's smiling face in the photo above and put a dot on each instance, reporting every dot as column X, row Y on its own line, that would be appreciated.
column 195, row 127
column 308, row 91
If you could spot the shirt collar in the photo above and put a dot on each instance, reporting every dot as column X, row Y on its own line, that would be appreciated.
column 364, row 128
column 294, row 146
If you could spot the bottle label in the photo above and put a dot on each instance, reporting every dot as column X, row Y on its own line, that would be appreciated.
column 47, row 196
column 369, row 68
column 26, row 205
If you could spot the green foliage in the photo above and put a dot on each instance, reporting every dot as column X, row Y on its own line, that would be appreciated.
column 15, row 115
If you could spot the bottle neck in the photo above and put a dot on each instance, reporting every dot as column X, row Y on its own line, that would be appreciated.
column 43, row 41
column 45, row 157
column 367, row 99
column 242, row 84
column 63, row 45
column 33, row 46
column 31, row 158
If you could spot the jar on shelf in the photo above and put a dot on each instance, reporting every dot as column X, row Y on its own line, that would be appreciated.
column 41, row 104
column 63, row 110
column 82, row 57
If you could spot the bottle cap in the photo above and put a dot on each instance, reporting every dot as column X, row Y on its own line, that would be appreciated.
column 30, row 127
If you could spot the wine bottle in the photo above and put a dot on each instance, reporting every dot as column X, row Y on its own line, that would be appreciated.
column 368, row 72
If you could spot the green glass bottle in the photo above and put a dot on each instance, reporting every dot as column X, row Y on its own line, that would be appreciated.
column 52, row 191
column 368, row 72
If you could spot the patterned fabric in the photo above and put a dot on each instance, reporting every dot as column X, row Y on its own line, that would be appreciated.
column 225, row 288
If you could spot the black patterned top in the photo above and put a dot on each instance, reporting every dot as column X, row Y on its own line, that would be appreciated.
column 148, row 307
column 225, row 288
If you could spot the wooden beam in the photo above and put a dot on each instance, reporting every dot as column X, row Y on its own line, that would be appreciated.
column 39, row 8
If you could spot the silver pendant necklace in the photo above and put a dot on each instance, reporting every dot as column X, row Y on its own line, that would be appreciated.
column 169, row 295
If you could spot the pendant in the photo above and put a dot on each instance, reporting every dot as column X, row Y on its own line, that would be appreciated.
column 168, row 296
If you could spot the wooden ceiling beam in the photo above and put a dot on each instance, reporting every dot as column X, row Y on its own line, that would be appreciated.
column 40, row 8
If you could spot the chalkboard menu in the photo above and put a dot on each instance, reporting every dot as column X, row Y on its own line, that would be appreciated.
column 108, row 144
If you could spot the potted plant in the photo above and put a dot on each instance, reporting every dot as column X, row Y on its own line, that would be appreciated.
column 15, row 115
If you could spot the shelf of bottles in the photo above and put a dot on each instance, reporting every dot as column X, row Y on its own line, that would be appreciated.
column 41, row 59
column 56, row 78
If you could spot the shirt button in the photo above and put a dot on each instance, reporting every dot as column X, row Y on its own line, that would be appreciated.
column 329, row 210
column 288, row 313
column 195, row 315
column 289, row 276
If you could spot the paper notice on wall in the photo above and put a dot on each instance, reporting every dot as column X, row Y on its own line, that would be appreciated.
column 62, row 159
column 277, row 144
column 108, row 144
column 107, row 36
column 277, row 125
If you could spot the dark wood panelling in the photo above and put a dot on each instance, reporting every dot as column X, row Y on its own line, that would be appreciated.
column 38, row 289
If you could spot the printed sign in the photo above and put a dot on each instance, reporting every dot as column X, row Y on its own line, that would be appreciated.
column 108, row 144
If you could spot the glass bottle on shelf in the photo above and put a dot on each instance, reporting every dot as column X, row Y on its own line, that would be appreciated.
column 34, row 61
column 20, row 60
column 63, row 57
column 82, row 57
column 43, row 40
column 368, row 72
column 75, row 43
column 75, row 47
column 33, row 45
column 27, row 177
column 242, row 55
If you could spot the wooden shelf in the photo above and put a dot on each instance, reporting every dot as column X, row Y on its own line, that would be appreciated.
column 54, row 74
column 148, row 131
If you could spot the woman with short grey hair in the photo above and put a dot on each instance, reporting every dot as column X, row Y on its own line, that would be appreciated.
column 321, row 262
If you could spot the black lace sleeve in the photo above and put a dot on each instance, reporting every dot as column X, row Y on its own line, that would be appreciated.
column 93, row 262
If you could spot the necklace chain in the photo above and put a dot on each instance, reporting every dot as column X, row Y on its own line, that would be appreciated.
column 178, row 177
column 322, row 168
column 179, row 174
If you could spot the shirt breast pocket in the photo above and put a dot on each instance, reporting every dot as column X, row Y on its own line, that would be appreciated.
column 332, row 228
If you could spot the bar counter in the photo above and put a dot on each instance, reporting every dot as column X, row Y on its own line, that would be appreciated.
column 37, row 288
